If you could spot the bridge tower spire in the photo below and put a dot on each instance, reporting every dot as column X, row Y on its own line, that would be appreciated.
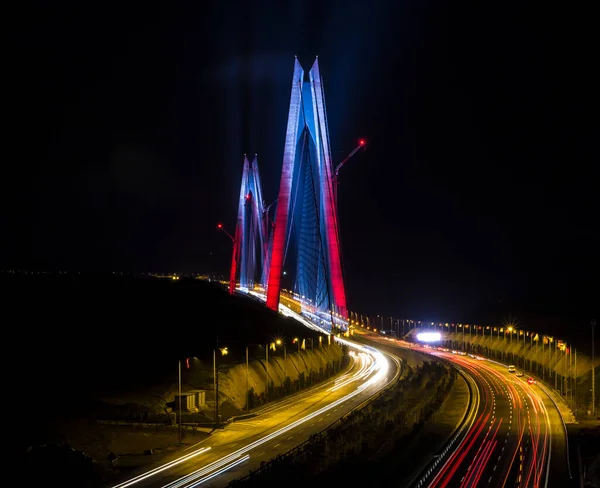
column 306, row 215
column 250, row 243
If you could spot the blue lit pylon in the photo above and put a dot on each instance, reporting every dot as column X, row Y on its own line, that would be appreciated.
column 251, row 241
column 306, row 216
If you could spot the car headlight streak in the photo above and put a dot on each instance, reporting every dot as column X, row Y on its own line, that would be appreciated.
column 376, row 366
column 373, row 369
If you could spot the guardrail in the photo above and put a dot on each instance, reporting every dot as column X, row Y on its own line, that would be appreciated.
column 191, row 426
column 362, row 404
column 458, row 433
column 564, row 427
column 562, row 419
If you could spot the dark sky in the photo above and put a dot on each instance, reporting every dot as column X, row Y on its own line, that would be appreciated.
column 478, row 191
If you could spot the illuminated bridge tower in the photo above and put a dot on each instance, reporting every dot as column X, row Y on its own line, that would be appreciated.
column 251, row 239
column 305, row 237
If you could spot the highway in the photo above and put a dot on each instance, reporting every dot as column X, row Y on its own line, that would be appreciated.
column 515, row 439
column 241, row 446
column 515, row 436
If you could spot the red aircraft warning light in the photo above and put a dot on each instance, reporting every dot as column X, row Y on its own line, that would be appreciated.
column 219, row 226
column 362, row 142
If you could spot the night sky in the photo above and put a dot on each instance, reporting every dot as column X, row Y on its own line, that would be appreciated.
column 477, row 194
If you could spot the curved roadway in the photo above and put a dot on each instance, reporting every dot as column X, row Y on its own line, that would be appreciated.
column 516, row 438
column 242, row 446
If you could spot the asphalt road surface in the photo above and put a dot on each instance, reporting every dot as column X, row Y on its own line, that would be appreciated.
column 241, row 446
column 517, row 438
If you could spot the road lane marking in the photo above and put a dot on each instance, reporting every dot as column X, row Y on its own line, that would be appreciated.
column 250, row 446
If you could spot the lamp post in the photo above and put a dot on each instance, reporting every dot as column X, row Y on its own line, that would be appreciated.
column 179, row 423
column 267, row 368
column 223, row 351
column 593, row 372
column 555, row 366
column 222, row 228
column 279, row 342
column 575, row 399
column 216, row 407
column 296, row 341
column 510, row 331
column 361, row 143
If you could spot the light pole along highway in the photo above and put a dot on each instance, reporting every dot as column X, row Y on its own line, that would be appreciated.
column 223, row 351
column 254, row 441
column 517, row 437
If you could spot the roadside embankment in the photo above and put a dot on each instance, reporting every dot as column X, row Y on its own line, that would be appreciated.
column 567, row 372
column 353, row 449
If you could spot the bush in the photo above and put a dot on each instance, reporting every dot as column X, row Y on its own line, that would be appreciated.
column 379, row 427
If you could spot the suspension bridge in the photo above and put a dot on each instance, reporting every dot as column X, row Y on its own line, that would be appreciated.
column 294, row 260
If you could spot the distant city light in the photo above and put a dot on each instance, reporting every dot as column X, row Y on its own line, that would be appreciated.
column 429, row 336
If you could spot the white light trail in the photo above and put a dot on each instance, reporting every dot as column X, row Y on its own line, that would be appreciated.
column 374, row 369
column 378, row 371
column 364, row 370
column 288, row 312
column 159, row 469
column 221, row 466
column 221, row 471
column 200, row 472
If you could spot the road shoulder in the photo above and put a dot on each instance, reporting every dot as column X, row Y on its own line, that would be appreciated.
column 438, row 429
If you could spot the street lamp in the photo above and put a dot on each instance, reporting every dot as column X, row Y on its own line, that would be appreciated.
column 361, row 144
column 510, row 330
column 279, row 342
column 299, row 342
column 222, row 228
column 187, row 363
column 179, row 423
column 223, row 351
column 267, row 368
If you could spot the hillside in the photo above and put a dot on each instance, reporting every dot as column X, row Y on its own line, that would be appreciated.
column 74, row 338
